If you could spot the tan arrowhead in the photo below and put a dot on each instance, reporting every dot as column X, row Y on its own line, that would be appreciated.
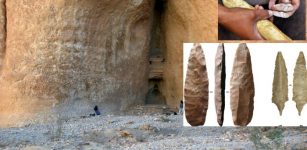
column 300, row 83
column 196, row 87
column 220, row 75
column 242, row 87
column 280, row 83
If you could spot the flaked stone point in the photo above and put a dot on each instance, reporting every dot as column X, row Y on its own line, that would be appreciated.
column 242, row 87
column 196, row 87
column 280, row 83
column 220, row 75
column 300, row 83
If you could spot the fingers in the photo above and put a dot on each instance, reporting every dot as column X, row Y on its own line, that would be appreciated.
column 285, row 8
column 258, row 7
column 285, row 1
column 261, row 14
column 271, row 3
column 294, row 3
column 269, row 11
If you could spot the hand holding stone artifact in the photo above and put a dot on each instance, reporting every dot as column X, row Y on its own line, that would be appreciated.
column 242, row 22
column 266, row 28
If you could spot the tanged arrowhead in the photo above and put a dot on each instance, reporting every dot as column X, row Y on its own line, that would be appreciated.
column 242, row 87
column 280, row 83
column 196, row 87
column 300, row 83
column 220, row 75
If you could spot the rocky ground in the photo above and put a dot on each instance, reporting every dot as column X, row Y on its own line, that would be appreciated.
column 147, row 131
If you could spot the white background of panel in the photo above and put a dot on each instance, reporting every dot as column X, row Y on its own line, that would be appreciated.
column 263, row 57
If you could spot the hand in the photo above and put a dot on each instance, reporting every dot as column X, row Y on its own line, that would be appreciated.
column 285, row 8
column 242, row 22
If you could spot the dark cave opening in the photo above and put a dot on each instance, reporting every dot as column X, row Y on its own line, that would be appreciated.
column 156, row 57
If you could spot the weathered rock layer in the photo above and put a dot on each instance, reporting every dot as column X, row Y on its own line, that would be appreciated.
column 80, row 53
column 184, row 21
column 2, row 31
column 72, row 55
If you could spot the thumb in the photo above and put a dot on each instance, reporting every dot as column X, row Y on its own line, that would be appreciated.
column 261, row 14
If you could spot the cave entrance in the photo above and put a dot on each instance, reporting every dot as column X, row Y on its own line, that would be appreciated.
column 156, row 58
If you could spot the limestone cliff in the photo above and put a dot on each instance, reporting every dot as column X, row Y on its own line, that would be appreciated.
column 60, row 58
column 184, row 21
column 2, row 31
column 72, row 55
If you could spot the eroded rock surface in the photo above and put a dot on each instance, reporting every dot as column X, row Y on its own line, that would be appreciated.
column 184, row 21
column 72, row 55
column 2, row 32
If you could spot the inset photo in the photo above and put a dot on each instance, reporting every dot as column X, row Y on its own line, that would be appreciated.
column 273, row 20
column 244, row 84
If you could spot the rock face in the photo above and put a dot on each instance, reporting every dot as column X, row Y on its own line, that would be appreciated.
column 280, row 83
column 242, row 87
column 300, row 83
column 220, row 76
column 196, row 87
column 72, row 55
column 85, row 53
column 184, row 21
column 2, row 31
